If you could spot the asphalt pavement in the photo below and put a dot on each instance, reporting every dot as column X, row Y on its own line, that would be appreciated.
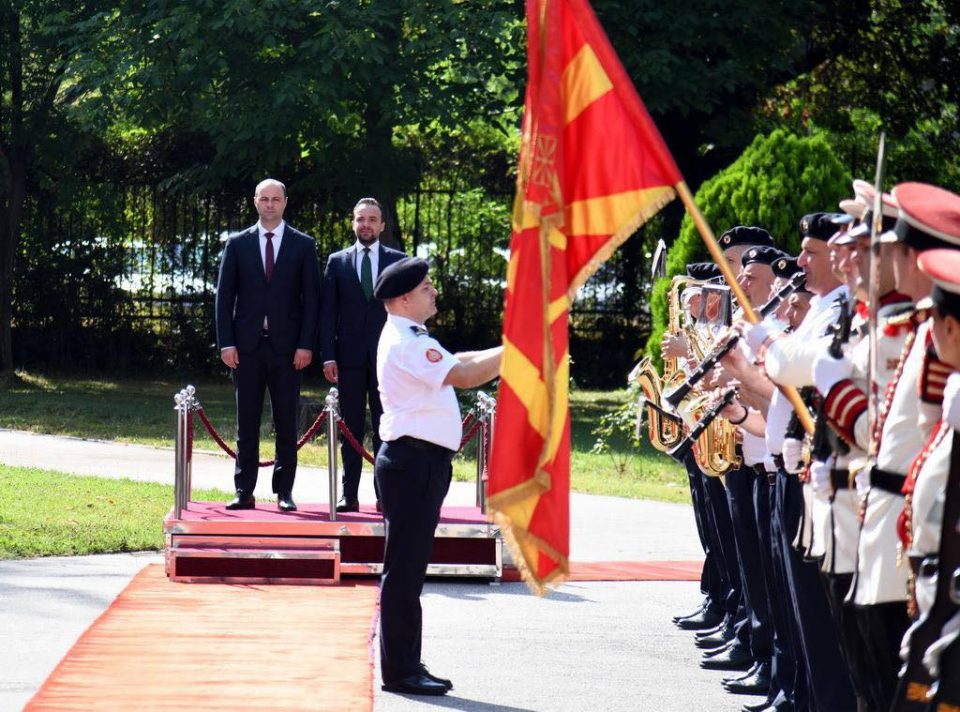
column 586, row 646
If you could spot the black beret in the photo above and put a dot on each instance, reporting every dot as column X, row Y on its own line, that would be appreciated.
column 400, row 277
column 819, row 226
column 703, row 271
column 745, row 235
column 785, row 267
column 763, row 255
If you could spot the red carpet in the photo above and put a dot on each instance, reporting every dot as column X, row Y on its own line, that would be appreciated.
column 625, row 571
column 209, row 646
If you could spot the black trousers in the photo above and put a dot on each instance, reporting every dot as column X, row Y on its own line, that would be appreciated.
column 258, row 371
column 413, row 479
column 882, row 626
column 828, row 685
column 357, row 387
column 851, row 642
column 784, row 663
column 711, row 576
column 721, row 531
column 744, row 520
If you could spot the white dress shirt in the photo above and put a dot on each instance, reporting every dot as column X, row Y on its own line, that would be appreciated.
column 374, row 259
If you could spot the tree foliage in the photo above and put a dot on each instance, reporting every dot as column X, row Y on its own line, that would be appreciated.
column 777, row 180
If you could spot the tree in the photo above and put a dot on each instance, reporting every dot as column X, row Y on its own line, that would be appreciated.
column 777, row 180
column 40, row 42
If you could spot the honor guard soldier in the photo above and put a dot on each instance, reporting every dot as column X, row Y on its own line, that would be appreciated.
column 421, row 431
column 908, row 411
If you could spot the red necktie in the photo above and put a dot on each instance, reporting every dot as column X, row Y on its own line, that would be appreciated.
column 268, row 266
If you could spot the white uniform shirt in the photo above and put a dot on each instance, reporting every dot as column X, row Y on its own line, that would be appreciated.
column 411, row 367
column 789, row 360
column 927, row 519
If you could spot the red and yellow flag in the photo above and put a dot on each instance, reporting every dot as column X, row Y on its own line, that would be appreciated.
column 593, row 168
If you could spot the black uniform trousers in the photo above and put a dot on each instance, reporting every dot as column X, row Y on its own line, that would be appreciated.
column 791, row 676
column 357, row 385
column 828, row 681
column 854, row 649
column 413, row 478
column 744, row 520
column 258, row 370
column 783, row 663
column 721, row 529
column 712, row 583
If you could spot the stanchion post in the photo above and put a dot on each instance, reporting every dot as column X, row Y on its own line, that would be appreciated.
column 332, row 407
column 178, row 446
column 188, row 447
column 486, row 408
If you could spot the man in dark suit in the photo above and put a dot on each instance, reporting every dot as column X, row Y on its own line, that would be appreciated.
column 267, row 308
column 350, row 326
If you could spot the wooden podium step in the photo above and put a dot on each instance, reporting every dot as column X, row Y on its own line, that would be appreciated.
column 232, row 559
column 208, row 543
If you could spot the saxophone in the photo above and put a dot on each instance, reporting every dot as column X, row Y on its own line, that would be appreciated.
column 664, row 430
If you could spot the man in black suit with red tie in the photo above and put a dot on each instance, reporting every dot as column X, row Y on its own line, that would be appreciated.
column 267, row 308
column 350, row 326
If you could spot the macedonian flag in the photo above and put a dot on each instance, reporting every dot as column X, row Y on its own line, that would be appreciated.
column 593, row 168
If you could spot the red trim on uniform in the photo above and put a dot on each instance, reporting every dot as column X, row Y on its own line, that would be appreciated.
column 933, row 375
column 843, row 406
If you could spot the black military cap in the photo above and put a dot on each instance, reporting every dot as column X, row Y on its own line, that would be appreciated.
column 703, row 271
column 819, row 226
column 785, row 267
column 745, row 235
column 400, row 277
column 761, row 255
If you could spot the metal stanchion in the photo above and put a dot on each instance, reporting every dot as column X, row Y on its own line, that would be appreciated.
column 179, row 445
column 184, row 403
column 486, row 409
column 333, row 416
column 188, row 447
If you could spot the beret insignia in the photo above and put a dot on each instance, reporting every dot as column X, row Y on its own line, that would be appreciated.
column 725, row 239
column 782, row 264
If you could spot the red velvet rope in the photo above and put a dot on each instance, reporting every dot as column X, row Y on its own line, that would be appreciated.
column 467, row 420
column 470, row 433
column 311, row 431
column 354, row 444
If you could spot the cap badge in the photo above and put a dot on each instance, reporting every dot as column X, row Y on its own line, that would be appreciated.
column 752, row 254
column 782, row 264
column 805, row 226
column 725, row 239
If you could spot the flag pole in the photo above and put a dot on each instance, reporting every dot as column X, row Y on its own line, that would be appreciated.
column 749, row 313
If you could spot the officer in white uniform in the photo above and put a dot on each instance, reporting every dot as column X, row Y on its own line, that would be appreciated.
column 420, row 429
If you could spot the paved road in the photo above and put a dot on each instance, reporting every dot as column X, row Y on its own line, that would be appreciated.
column 587, row 646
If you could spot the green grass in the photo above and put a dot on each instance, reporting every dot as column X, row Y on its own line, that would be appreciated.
column 141, row 411
column 53, row 514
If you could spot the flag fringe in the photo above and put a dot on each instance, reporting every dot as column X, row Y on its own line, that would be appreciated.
column 514, row 537
column 617, row 239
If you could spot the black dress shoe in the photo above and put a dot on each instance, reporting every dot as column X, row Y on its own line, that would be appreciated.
column 722, row 637
column 698, row 611
column 442, row 680
column 243, row 500
column 348, row 505
column 703, row 620
column 721, row 650
column 285, row 502
column 758, row 706
column 737, row 657
column 756, row 684
column 418, row 684
column 709, row 632
column 736, row 677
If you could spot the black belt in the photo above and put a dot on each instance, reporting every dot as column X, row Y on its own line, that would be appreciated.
column 840, row 479
column 423, row 445
column 887, row 481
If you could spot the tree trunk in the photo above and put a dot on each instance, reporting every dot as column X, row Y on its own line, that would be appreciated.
column 11, row 217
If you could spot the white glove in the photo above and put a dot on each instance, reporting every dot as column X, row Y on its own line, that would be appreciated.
column 828, row 371
column 951, row 401
column 862, row 479
column 820, row 477
column 755, row 334
column 792, row 455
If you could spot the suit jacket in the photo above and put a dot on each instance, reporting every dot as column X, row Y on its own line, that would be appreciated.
column 291, row 301
column 350, row 326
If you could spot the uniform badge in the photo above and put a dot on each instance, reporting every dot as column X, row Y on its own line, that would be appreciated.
column 752, row 254
column 725, row 239
column 805, row 226
column 782, row 264
column 434, row 356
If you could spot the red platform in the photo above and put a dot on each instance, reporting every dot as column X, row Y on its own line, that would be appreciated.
column 264, row 545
